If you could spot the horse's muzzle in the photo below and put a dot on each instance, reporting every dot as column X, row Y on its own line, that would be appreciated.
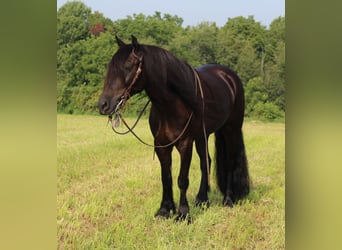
column 105, row 106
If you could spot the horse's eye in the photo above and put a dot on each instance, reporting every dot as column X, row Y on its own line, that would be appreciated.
column 126, row 68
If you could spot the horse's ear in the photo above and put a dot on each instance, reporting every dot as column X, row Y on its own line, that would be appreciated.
column 120, row 42
column 135, row 43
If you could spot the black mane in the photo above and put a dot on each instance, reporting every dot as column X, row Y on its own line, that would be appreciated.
column 178, row 75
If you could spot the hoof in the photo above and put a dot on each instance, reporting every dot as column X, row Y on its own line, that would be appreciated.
column 163, row 212
column 227, row 202
column 202, row 204
column 183, row 218
column 183, row 214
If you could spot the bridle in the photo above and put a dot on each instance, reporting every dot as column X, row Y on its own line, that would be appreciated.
column 126, row 95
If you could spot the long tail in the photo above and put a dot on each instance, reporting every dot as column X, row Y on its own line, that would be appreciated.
column 231, row 164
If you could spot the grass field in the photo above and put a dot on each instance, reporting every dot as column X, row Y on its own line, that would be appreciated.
column 109, row 187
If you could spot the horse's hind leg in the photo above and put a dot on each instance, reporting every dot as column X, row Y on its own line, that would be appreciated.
column 185, row 150
column 202, row 150
column 167, row 204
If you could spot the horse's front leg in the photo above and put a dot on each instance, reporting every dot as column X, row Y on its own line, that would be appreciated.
column 167, row 203
column 185, row 150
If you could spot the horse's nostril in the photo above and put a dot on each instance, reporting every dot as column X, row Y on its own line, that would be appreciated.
column 103, row 106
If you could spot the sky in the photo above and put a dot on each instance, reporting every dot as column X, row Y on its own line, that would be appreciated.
column 192, row 12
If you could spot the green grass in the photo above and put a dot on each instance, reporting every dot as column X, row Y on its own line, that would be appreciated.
column 109, row 187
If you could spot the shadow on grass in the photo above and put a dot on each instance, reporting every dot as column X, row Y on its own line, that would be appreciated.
column 257, row 194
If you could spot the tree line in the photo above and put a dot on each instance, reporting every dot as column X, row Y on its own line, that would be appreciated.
column 86, row 43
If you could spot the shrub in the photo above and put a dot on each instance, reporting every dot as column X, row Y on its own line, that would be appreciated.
column 267, row 111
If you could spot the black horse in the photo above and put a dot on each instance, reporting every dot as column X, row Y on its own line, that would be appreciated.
column 187, row 106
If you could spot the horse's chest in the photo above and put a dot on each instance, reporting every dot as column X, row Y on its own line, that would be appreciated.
column 167, row 130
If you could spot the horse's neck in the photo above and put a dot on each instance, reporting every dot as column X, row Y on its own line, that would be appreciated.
column 165, row 101
column 159, row 93
column 169, row 83
column 157, row 81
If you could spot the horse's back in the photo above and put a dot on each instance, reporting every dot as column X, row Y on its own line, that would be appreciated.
column 223, row 93
column 218, row 71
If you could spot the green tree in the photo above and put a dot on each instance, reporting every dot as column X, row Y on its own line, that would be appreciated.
column 82, row 66
column 157, row 29
column 258, row 104
column 163, row 29
column 255, row 92
column 275, row 76
column 275, row 62
column 238, row 37
column 248, row 65
column 276, row 31
column 197, row 44
column 72, row 23
column 246, row 29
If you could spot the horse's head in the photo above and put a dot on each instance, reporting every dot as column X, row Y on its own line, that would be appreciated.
column 122, row 79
